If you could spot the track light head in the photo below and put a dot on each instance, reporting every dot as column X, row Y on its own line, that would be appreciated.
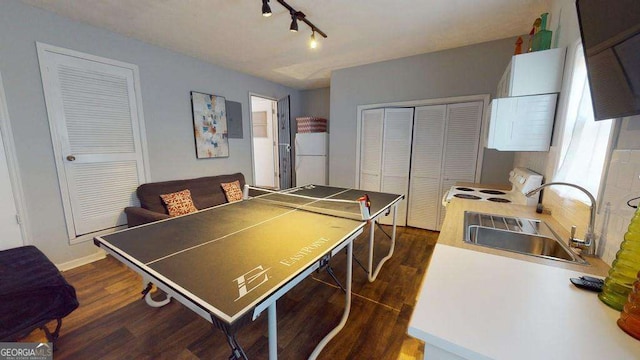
column 313, row 43
column 294, row 23
column 266, row 9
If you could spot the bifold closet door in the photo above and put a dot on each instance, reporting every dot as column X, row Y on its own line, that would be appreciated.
column 396, row 158
column 385, row 154
column 426, row 164
column 371, row 149
column 461, row 146
column 445, row 151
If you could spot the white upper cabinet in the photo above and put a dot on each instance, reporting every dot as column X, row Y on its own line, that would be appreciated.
column 533, row 73
column 522, row 123
column 523, row 113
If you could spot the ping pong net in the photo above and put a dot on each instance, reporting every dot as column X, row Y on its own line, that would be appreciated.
column 301, row 198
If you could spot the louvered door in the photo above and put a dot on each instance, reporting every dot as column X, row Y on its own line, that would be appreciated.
column 421, row 158
column 371, row 149
column 426, row 164
column 95, row 127
column 462, row 138
column 396, row 158
column 445, row 151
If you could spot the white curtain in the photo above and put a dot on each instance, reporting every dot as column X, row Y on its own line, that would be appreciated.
column 585, row 143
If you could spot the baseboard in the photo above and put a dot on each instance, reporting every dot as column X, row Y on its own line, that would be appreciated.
column 99, row 255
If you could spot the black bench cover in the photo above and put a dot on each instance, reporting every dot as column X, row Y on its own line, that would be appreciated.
column 32, row 292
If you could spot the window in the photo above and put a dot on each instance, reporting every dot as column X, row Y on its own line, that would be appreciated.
column 584, row 144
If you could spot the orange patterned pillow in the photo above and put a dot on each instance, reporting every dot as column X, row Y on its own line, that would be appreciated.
column 179, row 203
column 232, row 191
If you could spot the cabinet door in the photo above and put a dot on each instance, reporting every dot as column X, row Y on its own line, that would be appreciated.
column 522, row 123
column 371, row 149
column 426, row 164
column 538, row 72
column 396, row 157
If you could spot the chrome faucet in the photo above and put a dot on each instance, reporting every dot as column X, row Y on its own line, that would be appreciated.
column 589, row 243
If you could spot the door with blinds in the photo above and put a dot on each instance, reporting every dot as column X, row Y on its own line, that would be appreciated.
column 96, row 129
column 386, row 154
column 446, row 144
column 426, row 166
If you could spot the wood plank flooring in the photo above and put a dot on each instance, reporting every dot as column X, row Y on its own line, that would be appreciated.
column 113, row 322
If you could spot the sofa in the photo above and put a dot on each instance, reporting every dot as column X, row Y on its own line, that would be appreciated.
column 206, row 192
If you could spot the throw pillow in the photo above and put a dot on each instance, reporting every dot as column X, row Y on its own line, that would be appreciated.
column 179, row 203
column 232, row 191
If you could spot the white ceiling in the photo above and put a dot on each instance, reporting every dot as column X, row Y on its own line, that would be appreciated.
column 235, row 35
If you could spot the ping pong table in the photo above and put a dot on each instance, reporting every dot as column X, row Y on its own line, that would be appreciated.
column 231, row 262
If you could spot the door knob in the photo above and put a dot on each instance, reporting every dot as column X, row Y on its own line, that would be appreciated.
column 71, row 157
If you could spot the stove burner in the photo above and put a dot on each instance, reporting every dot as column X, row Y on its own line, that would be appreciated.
column 464, row 189
column 467, row 196
column 493, row 192
column 500, row 200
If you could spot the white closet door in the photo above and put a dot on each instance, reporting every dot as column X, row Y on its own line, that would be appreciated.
column 95, row 128
column 371, row 149
column 426, row 163
column 462, row 138
column 396, row 157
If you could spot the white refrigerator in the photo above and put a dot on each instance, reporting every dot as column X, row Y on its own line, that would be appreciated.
column 312, row 150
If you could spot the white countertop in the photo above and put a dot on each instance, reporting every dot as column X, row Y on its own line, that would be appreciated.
column 484, row 306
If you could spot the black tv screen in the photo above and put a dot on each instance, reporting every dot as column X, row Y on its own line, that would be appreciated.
column 610, row 31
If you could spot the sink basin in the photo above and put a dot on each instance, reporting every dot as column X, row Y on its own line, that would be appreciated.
column 525, row 236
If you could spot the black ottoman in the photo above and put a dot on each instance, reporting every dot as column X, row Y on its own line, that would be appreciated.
column 32, row 293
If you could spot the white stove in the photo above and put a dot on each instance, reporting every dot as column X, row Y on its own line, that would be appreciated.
column 522, row 181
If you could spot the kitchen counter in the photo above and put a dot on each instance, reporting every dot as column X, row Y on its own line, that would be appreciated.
column 481, row 303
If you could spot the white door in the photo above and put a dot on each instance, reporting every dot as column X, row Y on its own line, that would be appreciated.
column 462, row 141
column 96, row 128
column 385, row 154
column 10, row 235
column 445, row 151
column 462, row 147
column 426, row 164
column 396, row 158
column 10, row 232
column 264, row 140
column 371, row 149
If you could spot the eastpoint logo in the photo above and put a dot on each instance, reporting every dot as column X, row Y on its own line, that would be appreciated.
column 249, row 281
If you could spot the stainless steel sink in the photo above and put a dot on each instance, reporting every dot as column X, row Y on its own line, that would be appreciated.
column 525, row 236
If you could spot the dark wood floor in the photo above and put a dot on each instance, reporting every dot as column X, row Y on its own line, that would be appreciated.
column 113, row 322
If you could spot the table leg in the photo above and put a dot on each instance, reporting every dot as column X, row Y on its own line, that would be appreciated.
column 373, row 275
column 273, row 332
column 347, row 307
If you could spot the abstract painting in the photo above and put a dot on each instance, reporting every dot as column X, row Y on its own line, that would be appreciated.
column 209, row 125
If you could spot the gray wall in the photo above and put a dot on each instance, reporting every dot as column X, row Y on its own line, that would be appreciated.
column 316, row 103
column 166, row 79
column 469, row 70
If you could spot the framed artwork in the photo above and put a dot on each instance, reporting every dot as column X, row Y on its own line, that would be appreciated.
column 209, row 125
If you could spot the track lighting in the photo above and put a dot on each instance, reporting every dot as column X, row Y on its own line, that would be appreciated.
column 266, row 9
column 294, row 22
column 295, row 16
column 313, row 43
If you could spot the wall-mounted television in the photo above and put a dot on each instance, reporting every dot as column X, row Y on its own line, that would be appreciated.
column 610, row 31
